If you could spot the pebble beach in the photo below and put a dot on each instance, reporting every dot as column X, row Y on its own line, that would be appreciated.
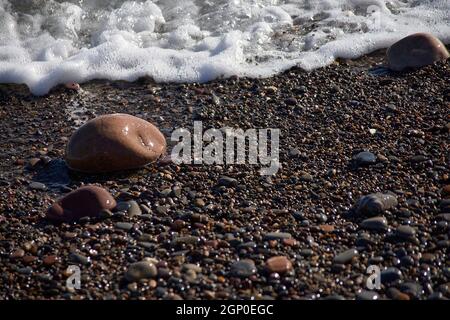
column 350, row 137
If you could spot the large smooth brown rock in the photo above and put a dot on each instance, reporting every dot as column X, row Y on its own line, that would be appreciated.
column 114, row 142
column 86, row 201
column 415, row 51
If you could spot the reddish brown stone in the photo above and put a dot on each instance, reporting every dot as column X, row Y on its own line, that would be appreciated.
column 212, row 243
column 223, row 244
column 72, row 86
column 178, row 225
column 49, row 260
column 29, row 259
column 326, row 227
column 93, row 227
column 70, row 235
column 402, row 296
column 114, row 142
column 198, row 225
column 278, row 264
column 152, row 284
column 19, row 253
column 86, row 201
column 415, row 51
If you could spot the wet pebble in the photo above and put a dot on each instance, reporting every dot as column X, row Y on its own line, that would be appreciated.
column 114, row 142
column 124, row 226
column 390, row 274
column 405, row 232
column 418, row 159
column 396, row 294
column 199, row 203
column 17, row 254
column 141, row 270
column 49, row 260
column 415, row 51
column 367, row 295
column 79, row 258
column 186, row 240
column 86, row 201
column 277, row 236
column 411, row 288
column 25, row 270
column 375, row 203
column 122, row 206
column 278, row 264
column 291, row 101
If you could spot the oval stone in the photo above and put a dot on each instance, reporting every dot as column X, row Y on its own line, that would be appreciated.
column 364, row 158
column 415, row 51
column 346, row 256
column 390, row 274
column 243, row 269
column 278, row 264
column 86, row 201
column 114, row 142
column 375, row 223
column 405, row 232
column 375, row 203
column 141, row 270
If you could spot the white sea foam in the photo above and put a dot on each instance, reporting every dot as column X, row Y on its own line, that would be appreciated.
column 46, row 42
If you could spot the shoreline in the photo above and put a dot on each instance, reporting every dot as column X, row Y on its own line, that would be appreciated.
column 325, row 117
column 375, row 58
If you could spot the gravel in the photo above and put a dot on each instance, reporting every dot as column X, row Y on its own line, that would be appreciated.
column 216, row 216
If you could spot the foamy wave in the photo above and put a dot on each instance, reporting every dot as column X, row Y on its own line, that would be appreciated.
column 46, row 43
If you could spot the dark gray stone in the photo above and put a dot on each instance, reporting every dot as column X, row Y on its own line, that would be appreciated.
column 277, row 236
column 365, row 158
column 390, row 275
column 141, row 270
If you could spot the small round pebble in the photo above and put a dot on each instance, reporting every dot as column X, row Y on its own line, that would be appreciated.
column 278, row 264
column 243, row 269
column 141, row 270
